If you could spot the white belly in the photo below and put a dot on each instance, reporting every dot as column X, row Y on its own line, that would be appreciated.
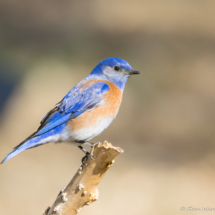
column 87, row 133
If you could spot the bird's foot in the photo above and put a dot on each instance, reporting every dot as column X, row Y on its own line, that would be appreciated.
column 86, row 154
column 84, row 159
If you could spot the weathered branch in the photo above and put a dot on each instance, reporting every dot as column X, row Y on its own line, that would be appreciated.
column 83, row 188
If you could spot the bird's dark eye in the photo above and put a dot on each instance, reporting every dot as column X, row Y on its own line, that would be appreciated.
column 116, row 68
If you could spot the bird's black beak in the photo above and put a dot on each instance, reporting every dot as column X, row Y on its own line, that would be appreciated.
column 133, row 72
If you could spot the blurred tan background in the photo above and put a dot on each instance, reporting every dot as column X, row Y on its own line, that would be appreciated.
column 167, row 118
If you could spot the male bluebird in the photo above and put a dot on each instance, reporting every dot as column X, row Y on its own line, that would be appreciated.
column 86, row 110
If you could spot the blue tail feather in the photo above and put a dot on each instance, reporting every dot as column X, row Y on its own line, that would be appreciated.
column 34, row 141
column 11, row 154
column 29, row 144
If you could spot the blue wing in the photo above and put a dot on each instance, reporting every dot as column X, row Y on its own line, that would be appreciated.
column 76, row 102
column 73, row 104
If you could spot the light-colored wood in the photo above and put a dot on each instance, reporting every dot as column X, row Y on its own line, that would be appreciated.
column 83, row 188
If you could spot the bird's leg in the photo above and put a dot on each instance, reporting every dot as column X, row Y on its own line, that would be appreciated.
column 86, row 153
column 83, row 150
column 91, row 152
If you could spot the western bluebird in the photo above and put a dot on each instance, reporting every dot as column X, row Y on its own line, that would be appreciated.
column 86, row 110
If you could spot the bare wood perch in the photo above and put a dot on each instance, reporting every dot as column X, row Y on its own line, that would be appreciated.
column 83, row 188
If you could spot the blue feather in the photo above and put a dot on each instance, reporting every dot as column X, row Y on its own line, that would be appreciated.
column 75, row 104
column 80, row 99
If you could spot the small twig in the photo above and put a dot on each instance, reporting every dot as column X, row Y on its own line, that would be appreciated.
column 83, row 188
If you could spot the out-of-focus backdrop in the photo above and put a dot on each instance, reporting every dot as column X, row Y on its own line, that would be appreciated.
column 167, row 118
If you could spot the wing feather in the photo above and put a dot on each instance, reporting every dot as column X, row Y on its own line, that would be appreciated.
column 73, row 104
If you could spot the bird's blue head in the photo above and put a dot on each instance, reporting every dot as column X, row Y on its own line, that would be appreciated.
column 115, row 70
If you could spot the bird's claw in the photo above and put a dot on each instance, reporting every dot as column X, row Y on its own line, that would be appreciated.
column 85, row 157
column 86, row 154
column 91, row 155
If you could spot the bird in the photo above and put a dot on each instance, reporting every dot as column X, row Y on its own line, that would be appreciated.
column 86, row 110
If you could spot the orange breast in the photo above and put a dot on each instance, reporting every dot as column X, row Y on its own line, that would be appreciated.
column 94, row 117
